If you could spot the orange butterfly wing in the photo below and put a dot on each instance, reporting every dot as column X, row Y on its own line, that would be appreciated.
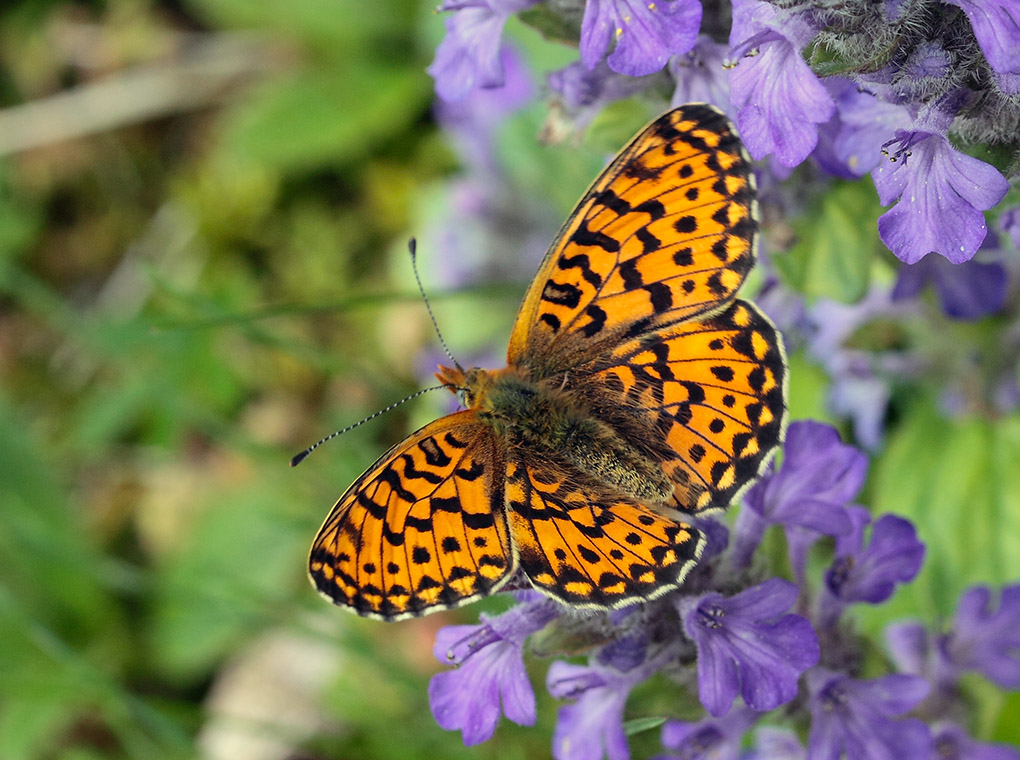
column 666, row 233
column 423, row 528
column 587, row 547
column 710, row 392
column 636, row 299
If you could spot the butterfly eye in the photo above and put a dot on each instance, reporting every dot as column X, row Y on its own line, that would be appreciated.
column 464, row 398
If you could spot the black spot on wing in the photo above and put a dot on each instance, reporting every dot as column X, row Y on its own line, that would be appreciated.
column 642, row 172
column 472, row 473
column 562, row 294
column 631, row 274
column 585, row 237
column 653, row 208
column 597, row 320
column 582, row 262
column 649, row 242
column 552, row 320
column 661, row 296
column 434, row 455
column 612, row 201
column 685, row 225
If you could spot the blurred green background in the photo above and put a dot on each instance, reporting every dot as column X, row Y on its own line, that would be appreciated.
column 204, row 210
column 198, row 206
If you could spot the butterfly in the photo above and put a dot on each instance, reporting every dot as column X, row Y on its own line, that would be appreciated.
column 638, row 389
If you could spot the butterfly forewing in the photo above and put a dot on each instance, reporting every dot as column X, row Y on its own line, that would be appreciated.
column 587, row 547
column 710, row 391
column 666, row 233
column 423, row 528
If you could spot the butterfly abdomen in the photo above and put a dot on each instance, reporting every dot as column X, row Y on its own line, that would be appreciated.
column 549, row 419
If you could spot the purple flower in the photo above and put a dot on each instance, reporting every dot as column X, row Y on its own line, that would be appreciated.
column 489, row 664
column 593, row 725
column 917, row 652
column 940, row 192
column 970, row 290
column 646, row 33
column 773, row 743
column 860, row 574
column 908, row 645
column 854, row 717
column 1008, row 83
column 858, row 391
column 472, row 120
column 469, row 55
column 700, row 75
column 1009, row 224
column 708, row 739
column 865, row 123
column 950, row 742
column 987, row 640
column 588, row 92
column 996, row 25
column 747, row 645
column 778, row 99
column 820, row 474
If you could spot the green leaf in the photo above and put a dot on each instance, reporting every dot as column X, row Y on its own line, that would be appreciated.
column 808, row 390
column 240, row 564
column 1007, row 726
column 957, row 481
column 552, row 23
column 639, row 725
column 835, row 242
column 315, row 118
column 335, row 23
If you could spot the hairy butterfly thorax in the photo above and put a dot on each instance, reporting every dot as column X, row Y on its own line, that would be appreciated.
column 546, row 416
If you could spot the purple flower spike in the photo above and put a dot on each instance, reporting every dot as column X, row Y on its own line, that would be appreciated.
column 593, row 725
column 939, row 195
column 647, row 33
column 970, row 290
column 747, row 645
column 996, row 25
column 819, row 475
column 708, row 739
column 778, row 99
column 950, row 742
column 852, row 718
column 490, row 669
column 985, row 640
column 469, row 55
column 870, row 574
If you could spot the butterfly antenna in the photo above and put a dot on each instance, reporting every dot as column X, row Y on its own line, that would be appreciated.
column 297, row 459
column 412, row 246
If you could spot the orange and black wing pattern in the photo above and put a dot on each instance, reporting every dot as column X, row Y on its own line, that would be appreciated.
column 666, row 233
column 424, row 528
column 708, row 397
column 589, row 548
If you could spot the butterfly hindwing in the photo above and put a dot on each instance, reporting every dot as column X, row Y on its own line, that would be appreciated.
column 711, row 394
column 585, row 547
column 423, row 528
column 666, row 233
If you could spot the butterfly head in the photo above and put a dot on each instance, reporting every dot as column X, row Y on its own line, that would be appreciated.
column 469, row 386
